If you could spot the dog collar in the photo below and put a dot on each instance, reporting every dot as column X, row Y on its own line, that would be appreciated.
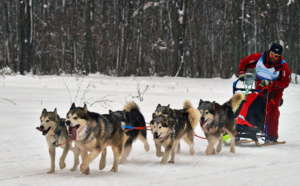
column 166, row 136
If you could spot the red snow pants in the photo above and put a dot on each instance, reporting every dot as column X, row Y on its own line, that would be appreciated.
column 273, row 115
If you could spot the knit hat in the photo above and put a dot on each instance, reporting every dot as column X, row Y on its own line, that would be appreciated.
column 276, row 48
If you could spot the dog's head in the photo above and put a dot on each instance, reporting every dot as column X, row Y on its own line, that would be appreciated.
column 161, row 126
column 120, row 115
column 207, row 112
column 162, row 110
column 76, row 121
column 48, row 121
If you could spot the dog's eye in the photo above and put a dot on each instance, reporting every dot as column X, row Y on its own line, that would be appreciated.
column 47, row 120
column 159, row 127
column 75, row 118
column 206, row 112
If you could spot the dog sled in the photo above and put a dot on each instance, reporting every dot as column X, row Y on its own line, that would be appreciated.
column 251, row 116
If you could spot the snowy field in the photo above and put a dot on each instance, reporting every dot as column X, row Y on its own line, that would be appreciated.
column 24, row 157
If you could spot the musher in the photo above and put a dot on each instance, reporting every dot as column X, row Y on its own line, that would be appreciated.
column 273, row 74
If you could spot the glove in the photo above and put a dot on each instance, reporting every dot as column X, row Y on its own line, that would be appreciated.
column 242, row 77
column 264, row 83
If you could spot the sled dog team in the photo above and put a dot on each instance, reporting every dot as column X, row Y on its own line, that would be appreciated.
column 93, row 132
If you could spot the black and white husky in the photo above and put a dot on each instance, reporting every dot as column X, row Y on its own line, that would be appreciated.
column 216, row 120
column 169, row 126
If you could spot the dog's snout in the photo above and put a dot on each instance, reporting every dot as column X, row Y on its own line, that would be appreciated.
column 68, row 122
column 202, row 118
column 42, row 127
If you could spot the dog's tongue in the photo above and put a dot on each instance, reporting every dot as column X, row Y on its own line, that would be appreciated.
column 73, row 137
column 202, row 123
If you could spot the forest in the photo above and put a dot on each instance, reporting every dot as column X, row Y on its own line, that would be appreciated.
column 187, row 38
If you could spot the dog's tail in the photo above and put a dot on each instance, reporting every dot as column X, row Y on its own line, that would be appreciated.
column 194, row 114
column 235, row 101
column 187, row 104
column 130, row 106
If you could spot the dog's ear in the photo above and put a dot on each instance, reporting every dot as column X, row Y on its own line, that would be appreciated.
column 73, row 106
column 44, row 111
column 153, row 115
column 214, row 105
column 200, row 102
column 125, row 115
column 168, row 106
column 85, row 108
column 158, row 106
column 110, row 112
column 55, row 112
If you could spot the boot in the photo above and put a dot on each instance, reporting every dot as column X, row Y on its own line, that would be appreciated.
column 273, row 139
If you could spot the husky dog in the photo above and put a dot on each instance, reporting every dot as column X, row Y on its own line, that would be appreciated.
column 216, row 119
column 53, row 127
column 168, row 126
column 131, row 117
column 93, row 132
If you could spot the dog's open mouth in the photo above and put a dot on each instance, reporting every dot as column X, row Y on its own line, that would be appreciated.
column 203, row 122
column 44, row 131
column 73, row 132
column 156, row 136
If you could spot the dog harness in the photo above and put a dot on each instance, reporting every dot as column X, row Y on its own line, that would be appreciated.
column 172, row 134
column 56, row 144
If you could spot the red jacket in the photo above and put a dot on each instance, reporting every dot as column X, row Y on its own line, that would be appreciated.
column 280, row 65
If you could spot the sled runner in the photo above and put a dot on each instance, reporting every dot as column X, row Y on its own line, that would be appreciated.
column 251, row 117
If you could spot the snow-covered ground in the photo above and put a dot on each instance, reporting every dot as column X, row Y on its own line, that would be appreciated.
column 24, row 157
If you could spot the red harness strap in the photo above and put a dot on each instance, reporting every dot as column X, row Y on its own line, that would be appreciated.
column 198, row 136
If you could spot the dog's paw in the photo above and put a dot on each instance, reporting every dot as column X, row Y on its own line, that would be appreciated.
column 147, row 147
column 208, row 151
column 159, row 154
column 51, row 171
column 73, row 169
column 83, row 167
column 122, row 161
column 102, row 166
column 192, row 151
column 214, row 151
column 232, row 150
column 86, row 171
column 162, row 162
column 171, row 161
column 114, row 170
column 62, row 164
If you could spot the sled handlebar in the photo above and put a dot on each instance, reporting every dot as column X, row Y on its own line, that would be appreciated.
column 249, row 78
column 241, row 89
